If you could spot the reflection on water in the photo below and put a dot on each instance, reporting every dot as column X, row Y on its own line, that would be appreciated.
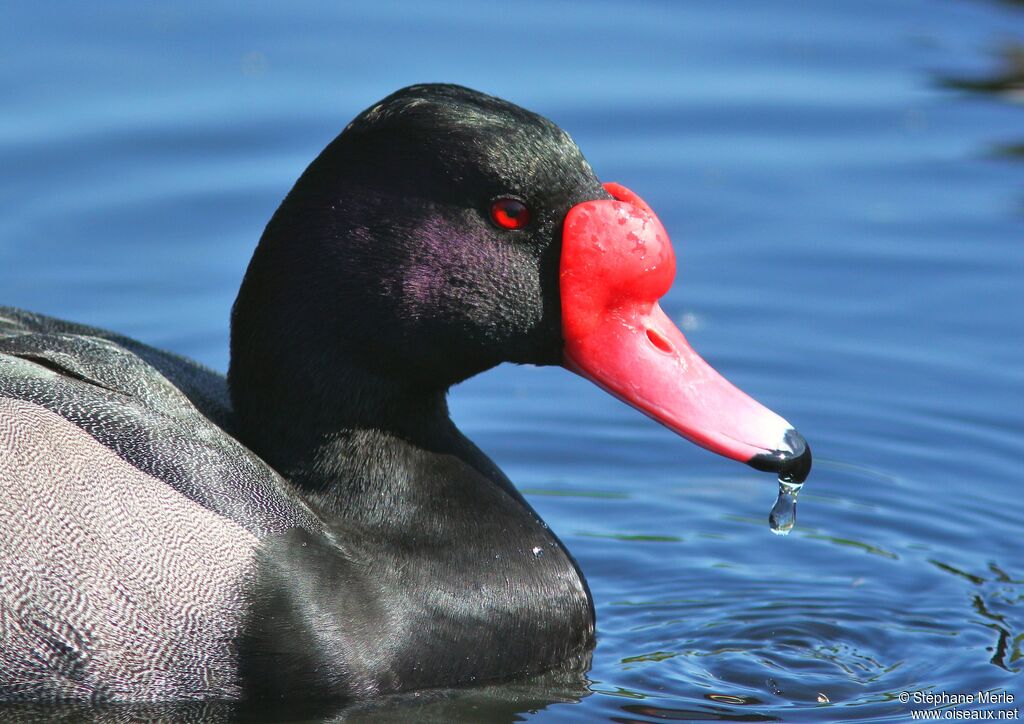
column 1006, row 82
column 1006, row 653
column 484, row 704
column 708, row 713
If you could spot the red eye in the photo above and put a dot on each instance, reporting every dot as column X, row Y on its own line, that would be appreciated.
column 510, row 213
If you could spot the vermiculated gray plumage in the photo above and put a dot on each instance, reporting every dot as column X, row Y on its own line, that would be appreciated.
column 128, row 520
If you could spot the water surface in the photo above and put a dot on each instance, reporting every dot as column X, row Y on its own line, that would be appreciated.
column 842, row 182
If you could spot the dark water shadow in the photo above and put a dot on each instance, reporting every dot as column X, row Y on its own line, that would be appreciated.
column 510, row 702
column 660, row 713
column 1004, row 83
column 1005, row 80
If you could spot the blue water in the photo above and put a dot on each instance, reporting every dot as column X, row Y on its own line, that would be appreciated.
column 844, row 187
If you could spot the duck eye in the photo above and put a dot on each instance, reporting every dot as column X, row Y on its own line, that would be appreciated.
column 509, row 213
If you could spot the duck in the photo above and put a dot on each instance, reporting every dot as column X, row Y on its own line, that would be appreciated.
column 313, row 525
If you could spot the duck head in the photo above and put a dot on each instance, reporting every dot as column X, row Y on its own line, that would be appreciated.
column 446, row 231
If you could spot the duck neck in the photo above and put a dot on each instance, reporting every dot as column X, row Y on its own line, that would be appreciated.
column 358, row 450
column 434, row 536
column 345, row 453
column 379, row 455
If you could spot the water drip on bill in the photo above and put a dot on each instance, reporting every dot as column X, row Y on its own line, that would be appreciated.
column 783, row 516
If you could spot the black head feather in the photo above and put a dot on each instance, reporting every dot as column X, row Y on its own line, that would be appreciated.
column 382, row 270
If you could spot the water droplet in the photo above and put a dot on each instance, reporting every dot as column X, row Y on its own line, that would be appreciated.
column 538, row 552
column 773, row 686
column 783, row 515
column 822, row 699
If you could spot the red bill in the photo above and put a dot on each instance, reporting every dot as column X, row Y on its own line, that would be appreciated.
column 617, row 261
